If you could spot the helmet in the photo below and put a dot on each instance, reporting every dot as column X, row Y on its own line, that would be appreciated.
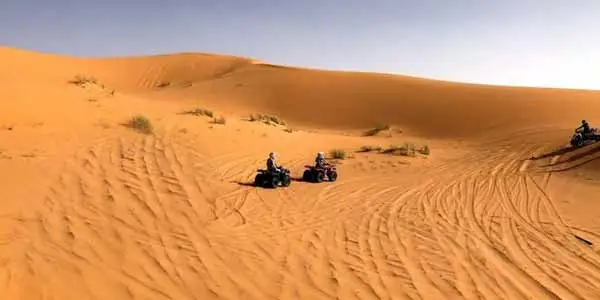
column 272, row 154
column 320, row 154
column 583, row 122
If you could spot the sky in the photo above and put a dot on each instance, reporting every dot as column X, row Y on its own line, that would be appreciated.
column 541, row 43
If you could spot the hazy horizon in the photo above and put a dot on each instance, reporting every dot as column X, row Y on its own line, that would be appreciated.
column 520, row 43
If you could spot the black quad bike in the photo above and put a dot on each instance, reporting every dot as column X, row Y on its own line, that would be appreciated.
column 579, row 139
column 272, row 180
column 317, row 175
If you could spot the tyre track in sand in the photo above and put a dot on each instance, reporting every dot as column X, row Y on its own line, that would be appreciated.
column 481, row 196
column 517, row 282
column 514, row 219
column 131, row 198
column 150, row 216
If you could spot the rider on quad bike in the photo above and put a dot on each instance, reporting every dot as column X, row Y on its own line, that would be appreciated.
column 272, row 165
column 584, row 134
column 320, row 161
column 584, row 128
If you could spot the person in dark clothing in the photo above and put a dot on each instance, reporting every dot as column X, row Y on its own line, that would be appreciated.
column 585, row 128
column 320, row 161
column 272, row 163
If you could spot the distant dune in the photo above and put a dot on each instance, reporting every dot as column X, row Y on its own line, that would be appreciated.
column 319, row 98
column 131, row 178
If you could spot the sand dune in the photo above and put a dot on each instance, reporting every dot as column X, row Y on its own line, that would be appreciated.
column 92, row 209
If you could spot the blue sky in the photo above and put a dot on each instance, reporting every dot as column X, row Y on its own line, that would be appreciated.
column 528, row 42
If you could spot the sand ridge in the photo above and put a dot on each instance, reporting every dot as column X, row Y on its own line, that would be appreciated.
column 496, row 211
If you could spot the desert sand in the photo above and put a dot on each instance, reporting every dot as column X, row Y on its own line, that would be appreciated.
column 92, row 209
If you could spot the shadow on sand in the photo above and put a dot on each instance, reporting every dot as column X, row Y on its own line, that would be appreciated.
column 560, row 151
column 251, row 184
column 580, row 157
column 592, row 150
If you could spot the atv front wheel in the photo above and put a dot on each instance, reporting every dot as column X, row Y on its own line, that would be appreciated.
column 319, row 177
column 286, row 181
column 273, row 182
column 577, row 142
column 332, row 176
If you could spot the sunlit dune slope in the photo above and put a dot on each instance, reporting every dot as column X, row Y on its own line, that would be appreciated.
column 317, row 98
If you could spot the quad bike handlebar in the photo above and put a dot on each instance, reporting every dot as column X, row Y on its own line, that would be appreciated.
column 581, row 129
column 265, row 170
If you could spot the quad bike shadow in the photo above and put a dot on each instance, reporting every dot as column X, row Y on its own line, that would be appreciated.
column 573, row 157
column 560, row 151
column 578, row 140
column 269, row 180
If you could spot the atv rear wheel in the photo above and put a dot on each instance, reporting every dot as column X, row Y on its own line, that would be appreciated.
column 258, row 180
column 307, row 176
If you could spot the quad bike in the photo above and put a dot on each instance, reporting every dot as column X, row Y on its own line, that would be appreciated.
column 315, row 174
column 272, row 180
column 579, row 140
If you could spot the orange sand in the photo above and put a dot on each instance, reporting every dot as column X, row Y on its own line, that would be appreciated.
column 92, row 209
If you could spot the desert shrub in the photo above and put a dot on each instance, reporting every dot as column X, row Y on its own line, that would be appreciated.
column 337, row 154
column 369, row 148
column 365, row 148
column 289, row 130
column 140, row 123
column 407, row 149
column 377, row 129
column 220, row 120
column 254, row 117
column 199, row 112
column 276, row 120
column 163, row 84
column 82, row 79
column 267, row 119
column 424, row 150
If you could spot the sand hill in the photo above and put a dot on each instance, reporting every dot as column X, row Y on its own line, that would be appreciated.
column 498, row 208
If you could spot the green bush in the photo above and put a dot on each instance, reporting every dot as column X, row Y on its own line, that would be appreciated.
column 337, row 154
column 82, row 79
column 408, row 149
column 199, row 112
column 141, row 124
column 220, row 120
column 267, row 119
column 369, row 148
column 377, row 129
column 424, row 150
